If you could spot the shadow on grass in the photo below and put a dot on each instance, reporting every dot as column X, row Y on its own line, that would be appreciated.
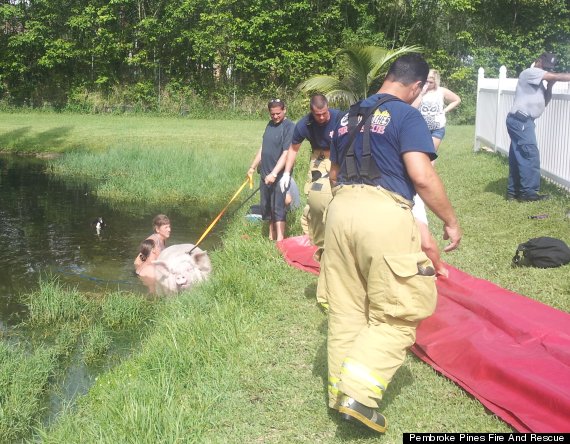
column 21, row 140
column 498, row 186
column 311, row 291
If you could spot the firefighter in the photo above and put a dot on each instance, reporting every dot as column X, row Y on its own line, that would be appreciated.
column 378, row 282
column 317, row 128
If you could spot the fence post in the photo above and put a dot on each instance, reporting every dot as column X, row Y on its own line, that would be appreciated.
column 480, row 77
column 500, row 86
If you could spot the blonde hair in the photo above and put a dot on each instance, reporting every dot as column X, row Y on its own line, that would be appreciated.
column 436, row 77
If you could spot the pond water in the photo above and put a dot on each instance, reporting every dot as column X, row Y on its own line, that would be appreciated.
column 46, row 228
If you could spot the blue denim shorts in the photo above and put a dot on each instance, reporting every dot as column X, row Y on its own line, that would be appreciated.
column 438, row 133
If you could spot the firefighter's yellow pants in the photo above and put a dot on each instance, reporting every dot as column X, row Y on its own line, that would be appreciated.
column 376, row 296
column 318, row 197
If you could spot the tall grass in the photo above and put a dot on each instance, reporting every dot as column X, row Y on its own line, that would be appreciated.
column 24, row 378
column 52, row 304
column 62, row 324
column 242, row 357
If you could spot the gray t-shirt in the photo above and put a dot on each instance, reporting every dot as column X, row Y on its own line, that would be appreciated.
column 276, row 139
column 529, row 95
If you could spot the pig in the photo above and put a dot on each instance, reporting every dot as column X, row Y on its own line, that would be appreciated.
column 176, row 270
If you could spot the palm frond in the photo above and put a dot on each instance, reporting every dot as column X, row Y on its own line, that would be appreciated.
column 363, row 68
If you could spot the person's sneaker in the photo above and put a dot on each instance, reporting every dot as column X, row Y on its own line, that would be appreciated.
column 350, row 409
column 533, row 198
column 511, row 197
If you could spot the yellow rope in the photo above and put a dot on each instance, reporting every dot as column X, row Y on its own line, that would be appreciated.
column 248, row 180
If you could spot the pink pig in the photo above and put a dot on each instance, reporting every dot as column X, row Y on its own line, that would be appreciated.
column 176, row 270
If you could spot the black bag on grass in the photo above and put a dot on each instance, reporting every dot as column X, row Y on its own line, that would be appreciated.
column 542, row 252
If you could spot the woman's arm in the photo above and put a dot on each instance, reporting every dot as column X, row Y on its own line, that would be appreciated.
column 452, row 99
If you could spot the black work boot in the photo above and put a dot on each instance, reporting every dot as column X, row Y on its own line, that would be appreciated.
column 533, row 198
column 350, row 409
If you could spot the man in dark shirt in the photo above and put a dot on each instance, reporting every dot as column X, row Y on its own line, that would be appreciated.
column 271, row 156
column 317, row 128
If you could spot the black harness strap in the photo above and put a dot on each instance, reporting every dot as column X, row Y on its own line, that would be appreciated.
column 313, row 139
column 358, row 118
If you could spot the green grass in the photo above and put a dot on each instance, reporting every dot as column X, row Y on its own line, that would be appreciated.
column 24, row 377
column 476, row 184
column 63, row 328
column 242, row 357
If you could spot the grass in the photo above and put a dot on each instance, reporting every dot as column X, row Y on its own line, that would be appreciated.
column 242, row 357
column 61, row 323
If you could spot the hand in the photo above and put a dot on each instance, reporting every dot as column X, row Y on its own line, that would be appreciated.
column 250, row 172
column 284, row 182
column 441, row 270
column 270, row 179
column 453, row 234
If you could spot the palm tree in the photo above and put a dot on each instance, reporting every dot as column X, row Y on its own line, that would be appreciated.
column 365, row 67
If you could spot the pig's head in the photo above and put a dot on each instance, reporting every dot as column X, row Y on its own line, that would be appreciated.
column 182, row 271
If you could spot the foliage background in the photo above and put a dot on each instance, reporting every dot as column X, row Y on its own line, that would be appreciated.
column 204, row 57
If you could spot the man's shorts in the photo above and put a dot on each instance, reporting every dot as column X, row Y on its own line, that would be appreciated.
column 272, row 202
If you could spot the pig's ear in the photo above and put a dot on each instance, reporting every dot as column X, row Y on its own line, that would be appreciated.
column 203, row 261
column 161, row 265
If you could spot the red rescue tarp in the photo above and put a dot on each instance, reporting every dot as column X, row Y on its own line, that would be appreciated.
column 512, row 353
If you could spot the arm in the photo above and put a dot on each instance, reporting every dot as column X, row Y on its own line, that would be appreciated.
column 333, row 173
column 291, row 157
column 254, row 163
column 453, row 99
column 551, row 78
column 430, row 188
column 270, row 178
column 430, row 248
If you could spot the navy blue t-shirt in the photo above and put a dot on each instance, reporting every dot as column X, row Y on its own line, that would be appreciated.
column 322, row 133
column 396, row 128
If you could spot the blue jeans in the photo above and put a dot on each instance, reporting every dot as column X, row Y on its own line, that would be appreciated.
column 524, row 158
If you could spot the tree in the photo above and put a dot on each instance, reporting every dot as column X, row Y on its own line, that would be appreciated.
column 363, row 69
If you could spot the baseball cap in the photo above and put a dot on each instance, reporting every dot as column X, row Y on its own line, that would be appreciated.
column 549, row 61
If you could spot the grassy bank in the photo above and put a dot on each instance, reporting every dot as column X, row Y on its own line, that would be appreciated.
column 242, row 358
column 140, row 158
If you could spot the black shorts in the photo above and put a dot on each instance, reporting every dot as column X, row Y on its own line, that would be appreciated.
column 272, row 202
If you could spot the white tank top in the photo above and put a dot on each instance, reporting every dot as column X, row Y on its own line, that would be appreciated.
column 431, row 108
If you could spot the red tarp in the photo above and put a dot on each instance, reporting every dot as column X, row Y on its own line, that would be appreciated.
column 512, row 353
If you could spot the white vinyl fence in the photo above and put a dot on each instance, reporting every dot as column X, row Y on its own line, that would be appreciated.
column 494, row 100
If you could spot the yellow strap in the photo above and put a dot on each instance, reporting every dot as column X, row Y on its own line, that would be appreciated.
column 248, row 180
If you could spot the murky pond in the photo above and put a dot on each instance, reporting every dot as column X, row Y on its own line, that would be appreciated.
column 46, row 230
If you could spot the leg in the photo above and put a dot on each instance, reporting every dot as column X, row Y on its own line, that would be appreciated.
column 318, row 200
column 278, row 213
column 339, row 281
column 529, row 167
column 305, row 220
column 437, row 137
column 436, row 142
column 513, row 185
column 524, row 159
column 373, row 315
column 279, row 230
